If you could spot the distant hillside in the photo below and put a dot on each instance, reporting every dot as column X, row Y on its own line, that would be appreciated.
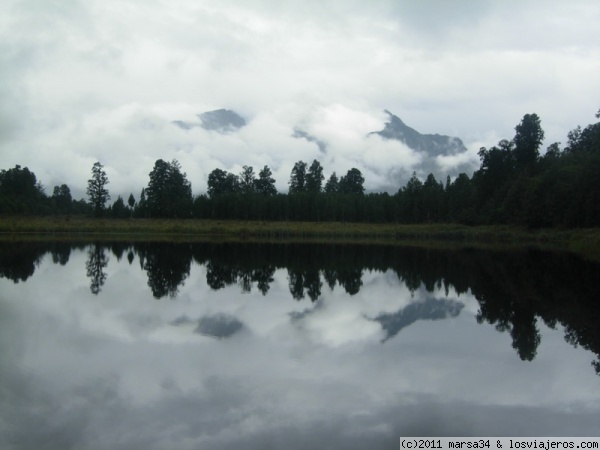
column 221, row 120
column 432, row 144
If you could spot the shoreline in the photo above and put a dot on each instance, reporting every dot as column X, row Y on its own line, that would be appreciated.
column 585, row 242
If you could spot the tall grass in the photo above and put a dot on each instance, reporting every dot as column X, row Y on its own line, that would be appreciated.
column 581, row 241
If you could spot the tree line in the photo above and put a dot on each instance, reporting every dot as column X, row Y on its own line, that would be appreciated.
column 515, row 184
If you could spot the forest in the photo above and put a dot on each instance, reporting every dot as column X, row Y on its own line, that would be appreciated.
column 515, row 184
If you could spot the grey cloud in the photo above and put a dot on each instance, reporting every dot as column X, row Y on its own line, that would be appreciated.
column 219, row 326
column 75, row 78
column 300, row 134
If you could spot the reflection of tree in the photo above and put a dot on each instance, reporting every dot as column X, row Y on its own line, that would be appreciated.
column 526, row 337
column 119, row 248
column 167, row 265
column 18, row 260
column 95, row 265
column 330, row 276
column 515, row 290
column 263, row 277
column 350, row 280
column 218, row 276
column 229, row 267
column 61, row 252
column 301, row 280
column 245, row 280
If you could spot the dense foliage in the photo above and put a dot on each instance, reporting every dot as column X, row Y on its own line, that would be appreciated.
column 514, row 184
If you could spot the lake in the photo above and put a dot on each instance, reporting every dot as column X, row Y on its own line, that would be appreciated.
column 224, row 345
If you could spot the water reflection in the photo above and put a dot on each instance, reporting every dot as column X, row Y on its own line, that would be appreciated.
column 514, row 289
column 283, row 345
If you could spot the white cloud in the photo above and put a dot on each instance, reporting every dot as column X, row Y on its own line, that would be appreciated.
column 102, row 80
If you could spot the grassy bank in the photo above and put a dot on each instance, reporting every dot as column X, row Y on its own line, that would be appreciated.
column 585, row 242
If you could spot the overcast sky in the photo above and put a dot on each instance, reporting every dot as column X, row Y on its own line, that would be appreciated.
column 102, row 80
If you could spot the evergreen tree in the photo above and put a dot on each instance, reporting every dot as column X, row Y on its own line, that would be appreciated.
column 528, row 139
column 169, row 193
column 352, row 182
column 96, row 190
column 61, row 197
column 298, row 178
column 333, row 185
column 247, row 180
column 221, row 182
column 314, row 177
column 20, row 192
column 265, row 184
column 131, row 203
column 118, row 209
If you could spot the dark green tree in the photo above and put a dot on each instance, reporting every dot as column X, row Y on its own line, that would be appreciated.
column 221, row 182
column 20, row 192
column 433, row 197
column 265, row 184
column 333, row 185
column 169, row 193
column 352, row 182
column 411, row 200
column 62, row 199
column 97, row 193
column 314, row 177
column 247, row 180
column 528, row 139
column 118, row 209
column 131, row 203
column 460, row 198
column 298, row 178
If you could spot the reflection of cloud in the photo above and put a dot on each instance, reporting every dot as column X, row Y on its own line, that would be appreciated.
column 86, row 387
column 219, row 326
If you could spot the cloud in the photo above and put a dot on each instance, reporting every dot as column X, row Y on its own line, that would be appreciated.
column 131, row 374
column 103, row 80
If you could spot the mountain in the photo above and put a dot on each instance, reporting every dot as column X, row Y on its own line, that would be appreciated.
column 439, row 155
column 430, row 309
column 220, row 120
column 301, row 134
column 431, row 144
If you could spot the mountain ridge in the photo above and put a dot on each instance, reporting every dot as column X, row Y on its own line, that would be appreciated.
column 432, row 144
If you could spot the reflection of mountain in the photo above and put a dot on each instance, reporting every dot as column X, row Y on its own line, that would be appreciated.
column 218, row 326
column 516, row 290
column 430, row 309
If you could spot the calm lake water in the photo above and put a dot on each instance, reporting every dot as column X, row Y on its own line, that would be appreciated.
column 154, row 345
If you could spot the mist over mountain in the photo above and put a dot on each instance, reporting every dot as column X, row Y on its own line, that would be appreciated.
column 220, row 120
column 389, row 155
column 301, row 134
column 431, row 144
column 440, row 155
